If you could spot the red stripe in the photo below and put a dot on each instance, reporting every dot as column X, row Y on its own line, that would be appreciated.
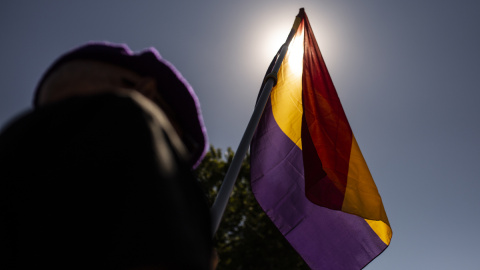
column 328, row 140
column 319, row 187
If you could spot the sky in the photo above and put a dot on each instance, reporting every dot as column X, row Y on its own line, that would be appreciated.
column 407, row 74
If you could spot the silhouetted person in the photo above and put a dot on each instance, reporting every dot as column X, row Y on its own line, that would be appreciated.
column 99, row 174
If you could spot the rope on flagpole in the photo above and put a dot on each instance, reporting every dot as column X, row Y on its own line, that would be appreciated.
column 226, row 189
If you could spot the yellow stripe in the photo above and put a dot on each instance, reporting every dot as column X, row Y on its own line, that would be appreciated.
column 286, row 96
column 383, row 231
column 362, row 197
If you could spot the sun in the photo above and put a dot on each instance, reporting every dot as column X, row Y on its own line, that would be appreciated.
column 294, row 55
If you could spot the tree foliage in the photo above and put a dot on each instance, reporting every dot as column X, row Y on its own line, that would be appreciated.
column 246, row 239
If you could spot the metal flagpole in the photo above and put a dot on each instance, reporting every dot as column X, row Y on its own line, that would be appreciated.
column 226, row 189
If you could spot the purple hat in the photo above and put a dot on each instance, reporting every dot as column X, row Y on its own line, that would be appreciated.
column 172, row 87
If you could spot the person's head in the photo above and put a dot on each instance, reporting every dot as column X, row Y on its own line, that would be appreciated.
column 103, row 67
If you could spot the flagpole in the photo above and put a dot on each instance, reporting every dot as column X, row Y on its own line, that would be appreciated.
column 226, row 189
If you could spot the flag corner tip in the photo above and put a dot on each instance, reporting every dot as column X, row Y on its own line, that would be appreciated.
column 301, row 11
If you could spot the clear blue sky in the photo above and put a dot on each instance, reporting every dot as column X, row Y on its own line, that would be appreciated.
column 407, row 73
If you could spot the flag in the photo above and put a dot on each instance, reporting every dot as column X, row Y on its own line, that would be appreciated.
column 307, row 171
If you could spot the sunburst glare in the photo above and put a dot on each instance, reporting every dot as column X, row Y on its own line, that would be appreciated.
column 294, row 55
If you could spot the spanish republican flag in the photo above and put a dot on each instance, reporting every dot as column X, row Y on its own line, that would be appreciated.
column 308, row 173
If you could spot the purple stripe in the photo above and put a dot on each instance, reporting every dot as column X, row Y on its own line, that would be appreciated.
column 326, row 239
